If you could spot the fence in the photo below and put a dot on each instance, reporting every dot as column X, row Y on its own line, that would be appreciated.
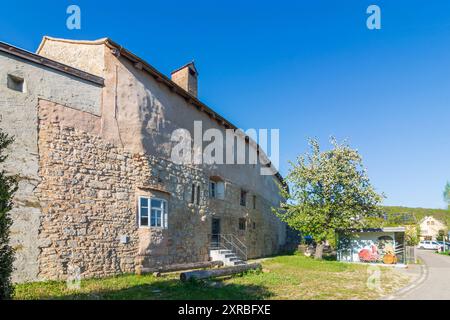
column 410, row 254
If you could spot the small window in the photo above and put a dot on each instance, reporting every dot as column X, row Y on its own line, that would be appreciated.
column 243, row 197
column 16, row 83
column 254, row 202
column 254, row 225
column 152, row 212
column 198, row 195
column 220, row 190
column 242, row 223
column 212, row 189
column 193, row 193
column 217, row 189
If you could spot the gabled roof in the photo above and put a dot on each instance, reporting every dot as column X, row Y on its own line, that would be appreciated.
column 55, row 65
column 430, row 217
column 191, row 66
column 161, row 78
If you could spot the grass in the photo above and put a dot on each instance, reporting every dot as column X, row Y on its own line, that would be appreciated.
column 283, row 277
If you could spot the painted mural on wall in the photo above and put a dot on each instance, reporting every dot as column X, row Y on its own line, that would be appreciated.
column 372, row 247
column 383, row 250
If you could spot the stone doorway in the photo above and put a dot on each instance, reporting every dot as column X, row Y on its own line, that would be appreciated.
column 215, row 232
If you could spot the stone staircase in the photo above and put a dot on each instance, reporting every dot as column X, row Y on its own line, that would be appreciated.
column 228, row 257
column 229, row 249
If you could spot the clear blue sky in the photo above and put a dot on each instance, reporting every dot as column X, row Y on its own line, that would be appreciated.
column 309, row 68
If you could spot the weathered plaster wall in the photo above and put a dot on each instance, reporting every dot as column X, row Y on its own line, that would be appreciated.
column 18, row 111
column 89, row 191
column 152, row 112
column 83, row 56
column 141, row 113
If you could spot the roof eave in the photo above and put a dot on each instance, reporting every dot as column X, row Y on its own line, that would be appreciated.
column 52, row 64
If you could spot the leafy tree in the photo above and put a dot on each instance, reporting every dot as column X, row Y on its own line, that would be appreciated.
column 330, row 190
column 441, row 235
column 8, row 185
column 446, row 194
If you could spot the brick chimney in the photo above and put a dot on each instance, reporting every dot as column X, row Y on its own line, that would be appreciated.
column 186, row 78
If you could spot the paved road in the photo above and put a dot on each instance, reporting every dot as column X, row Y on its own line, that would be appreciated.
column 436, row 281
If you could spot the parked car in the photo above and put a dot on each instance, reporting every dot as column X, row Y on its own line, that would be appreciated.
column 430, row 245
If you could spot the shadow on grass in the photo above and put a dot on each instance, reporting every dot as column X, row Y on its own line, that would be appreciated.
column 329, row 257
column 174, row 289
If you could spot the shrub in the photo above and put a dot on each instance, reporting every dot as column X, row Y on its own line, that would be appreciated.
column 8, row 185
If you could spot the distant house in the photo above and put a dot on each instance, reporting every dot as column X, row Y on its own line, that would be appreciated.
column 429, row 228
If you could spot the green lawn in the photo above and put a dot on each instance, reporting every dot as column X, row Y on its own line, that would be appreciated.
column 282, row 277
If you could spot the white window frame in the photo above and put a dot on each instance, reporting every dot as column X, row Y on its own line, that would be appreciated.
column 164, row 212
column 219, row 189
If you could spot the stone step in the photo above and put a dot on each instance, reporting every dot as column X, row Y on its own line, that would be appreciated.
column 228, row 257
column 220, row 250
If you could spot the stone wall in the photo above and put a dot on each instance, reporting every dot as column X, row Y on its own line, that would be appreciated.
column 85, row 195
column 18, row 114
column 89, row 192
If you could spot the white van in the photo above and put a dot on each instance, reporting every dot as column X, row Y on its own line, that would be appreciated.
column 428, row 244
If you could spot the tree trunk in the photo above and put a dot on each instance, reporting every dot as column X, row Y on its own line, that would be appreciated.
column 180, row 267
column 319, row 251
column 204, row 274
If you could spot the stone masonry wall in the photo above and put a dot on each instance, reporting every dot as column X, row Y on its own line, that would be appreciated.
column 85, row 196
column 18, row 117
column 89, row 192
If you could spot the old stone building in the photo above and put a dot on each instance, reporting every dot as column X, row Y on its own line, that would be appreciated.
column 98, row 191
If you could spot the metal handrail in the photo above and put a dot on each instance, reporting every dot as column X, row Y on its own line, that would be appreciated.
column 238, row 240
column 242, row 250
column 234, row 244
